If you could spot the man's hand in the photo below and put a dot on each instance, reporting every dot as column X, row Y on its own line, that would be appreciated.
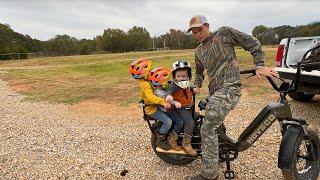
column 266, row 71
column 167, row 105
column 177, row 105
column 169, row 98
column 196, row 90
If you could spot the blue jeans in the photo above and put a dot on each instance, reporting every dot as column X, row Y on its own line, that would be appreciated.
column 165, row 119
column 186, row 115
column 177, row 119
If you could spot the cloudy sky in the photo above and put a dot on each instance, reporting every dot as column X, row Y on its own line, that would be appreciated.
column 83, row 19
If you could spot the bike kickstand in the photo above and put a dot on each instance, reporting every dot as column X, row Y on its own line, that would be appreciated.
column 229, row 174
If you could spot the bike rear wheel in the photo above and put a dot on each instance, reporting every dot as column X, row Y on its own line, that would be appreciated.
column 174, row 159
column 304, row 166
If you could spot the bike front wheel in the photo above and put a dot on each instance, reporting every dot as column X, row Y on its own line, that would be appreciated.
column 306, row 157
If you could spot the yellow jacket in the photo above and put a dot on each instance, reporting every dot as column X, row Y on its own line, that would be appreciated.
column 149, row 98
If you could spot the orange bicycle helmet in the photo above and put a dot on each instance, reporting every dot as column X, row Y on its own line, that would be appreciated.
column 159, row 76
column 140, row 68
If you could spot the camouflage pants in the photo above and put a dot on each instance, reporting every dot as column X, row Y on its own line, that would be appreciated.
column 220, row 103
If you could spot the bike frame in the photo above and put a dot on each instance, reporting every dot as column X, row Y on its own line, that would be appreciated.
column 262, row 122
column 274, row 111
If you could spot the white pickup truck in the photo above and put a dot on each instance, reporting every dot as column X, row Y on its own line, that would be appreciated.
column 290, row 52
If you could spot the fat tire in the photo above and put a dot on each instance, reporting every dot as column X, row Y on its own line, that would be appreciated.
column 169, row 158
column 313, row 173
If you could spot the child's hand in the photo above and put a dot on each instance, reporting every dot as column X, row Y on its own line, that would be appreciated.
column 169, row 98
column 196, row 90
column 177, row 105
column 167, row 105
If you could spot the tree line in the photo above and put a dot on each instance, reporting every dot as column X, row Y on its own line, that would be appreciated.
column 114, row 40
column 14, row 45
column 273, row 35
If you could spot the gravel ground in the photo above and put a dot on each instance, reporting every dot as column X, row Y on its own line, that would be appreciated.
column 95, row 140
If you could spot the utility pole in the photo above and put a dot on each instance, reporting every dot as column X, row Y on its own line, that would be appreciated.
column 153, row 44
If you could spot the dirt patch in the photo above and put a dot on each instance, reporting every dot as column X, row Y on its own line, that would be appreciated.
column 122, row 92
column 20, row 87
column 244, row 92
column 99, row 107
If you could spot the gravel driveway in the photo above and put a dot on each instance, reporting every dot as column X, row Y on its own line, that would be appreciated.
column 98, row 141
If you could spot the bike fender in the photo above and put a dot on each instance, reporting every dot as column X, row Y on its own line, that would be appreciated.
column 286, row 151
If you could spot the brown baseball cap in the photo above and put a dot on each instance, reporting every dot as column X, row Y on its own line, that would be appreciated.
column 197, row 21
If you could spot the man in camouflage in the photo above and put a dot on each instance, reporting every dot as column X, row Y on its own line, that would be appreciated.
column 217, row 55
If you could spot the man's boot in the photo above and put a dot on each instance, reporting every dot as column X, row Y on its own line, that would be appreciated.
column 172, row 141
column 161, row 142
column 186, row 146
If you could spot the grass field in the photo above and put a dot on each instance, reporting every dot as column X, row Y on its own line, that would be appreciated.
column 103, row 77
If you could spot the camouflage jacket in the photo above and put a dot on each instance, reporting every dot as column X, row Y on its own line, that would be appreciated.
column 217, row 55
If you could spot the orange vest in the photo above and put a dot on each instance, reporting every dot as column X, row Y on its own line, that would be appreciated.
column 183, row 96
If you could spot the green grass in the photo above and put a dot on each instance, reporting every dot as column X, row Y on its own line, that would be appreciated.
column 104, row 77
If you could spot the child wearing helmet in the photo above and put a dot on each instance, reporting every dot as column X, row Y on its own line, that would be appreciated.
column 159, row 78
column 181, row 91
column 139, row 69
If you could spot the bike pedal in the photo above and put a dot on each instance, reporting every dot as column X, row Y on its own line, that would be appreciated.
column 229, row 175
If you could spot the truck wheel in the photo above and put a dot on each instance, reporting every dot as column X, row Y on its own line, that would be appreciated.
column 300, row 96
column 303, row 165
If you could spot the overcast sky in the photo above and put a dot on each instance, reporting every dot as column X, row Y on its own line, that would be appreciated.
column 83, row 19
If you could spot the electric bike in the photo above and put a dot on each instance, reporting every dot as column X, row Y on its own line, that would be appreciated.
column 299, row 153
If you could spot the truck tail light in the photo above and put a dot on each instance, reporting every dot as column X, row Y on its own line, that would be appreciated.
column 279, row 56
